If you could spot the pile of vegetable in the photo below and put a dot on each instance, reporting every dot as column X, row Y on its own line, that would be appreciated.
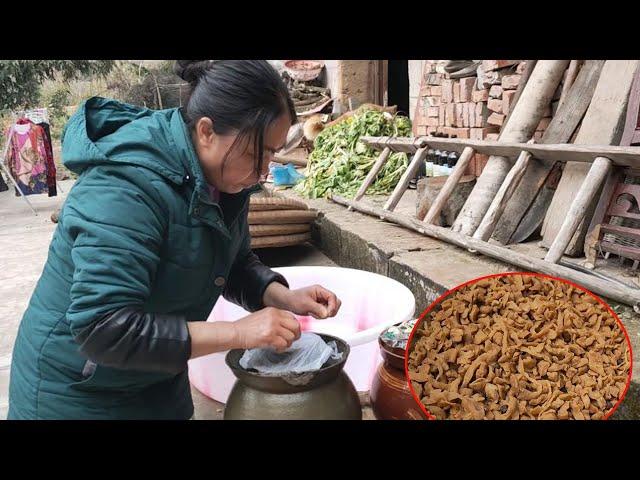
column 339, row 162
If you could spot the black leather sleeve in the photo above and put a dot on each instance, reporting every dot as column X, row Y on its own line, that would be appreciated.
column 248, row 281
column 249, row 277
column 130, row 339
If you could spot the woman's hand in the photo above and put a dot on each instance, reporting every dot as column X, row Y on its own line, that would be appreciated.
column 315, row 300
column 269, row 327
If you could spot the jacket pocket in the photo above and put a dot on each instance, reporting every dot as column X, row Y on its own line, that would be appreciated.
column 99, row 378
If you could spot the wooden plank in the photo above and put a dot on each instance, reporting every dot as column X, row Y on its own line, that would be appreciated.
column 403, row 183
column 579, row 207
column 511, row 182
column 532, row 220
column 602, row 124
column 449, row 186
column 559, row 130
column 373, row 173
column 526, row 115
column 627, row 295
column 570, row 77
column 561, row 152
column 633, row 113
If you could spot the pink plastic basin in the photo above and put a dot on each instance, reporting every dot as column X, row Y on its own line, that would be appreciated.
column 370, row 303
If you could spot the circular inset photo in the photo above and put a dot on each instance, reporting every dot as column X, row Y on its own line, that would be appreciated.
column 518, row 346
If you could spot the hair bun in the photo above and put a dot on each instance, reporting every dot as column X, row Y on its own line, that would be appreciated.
column 191, row 70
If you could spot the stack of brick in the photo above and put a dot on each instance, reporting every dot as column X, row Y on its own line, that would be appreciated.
column 501, row 95
column 474, row 107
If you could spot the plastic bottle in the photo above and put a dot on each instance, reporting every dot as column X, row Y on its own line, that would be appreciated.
column 436, row 163
column 453, row 160
column 444, row 162
column 452, row 156
column 428, row 163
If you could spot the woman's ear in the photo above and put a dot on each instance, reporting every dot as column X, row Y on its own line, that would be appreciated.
column 204, row 133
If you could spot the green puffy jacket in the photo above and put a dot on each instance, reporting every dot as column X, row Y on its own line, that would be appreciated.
column 138, row 231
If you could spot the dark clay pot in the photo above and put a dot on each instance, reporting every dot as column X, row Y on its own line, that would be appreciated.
column 390, row 395
column 327, row 394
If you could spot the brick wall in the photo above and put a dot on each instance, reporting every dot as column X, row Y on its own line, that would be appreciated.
column 473, row 107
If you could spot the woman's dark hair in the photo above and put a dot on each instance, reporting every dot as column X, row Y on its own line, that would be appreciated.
column 239, row 96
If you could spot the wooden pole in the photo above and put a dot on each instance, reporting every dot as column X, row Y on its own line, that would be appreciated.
column 572, row 73
column 402, row 185
column 373, row 173
column 449, row 186
column 627, row 295
column 526, row 75
column 583, row 199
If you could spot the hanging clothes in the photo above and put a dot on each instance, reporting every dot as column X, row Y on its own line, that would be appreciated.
column 28, row 158
column 51, row 165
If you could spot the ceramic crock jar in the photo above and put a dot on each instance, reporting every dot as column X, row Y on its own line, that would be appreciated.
column 325, row 394
column 390, row 395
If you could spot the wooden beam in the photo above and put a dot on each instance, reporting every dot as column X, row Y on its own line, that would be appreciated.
column 627, row 295
column 373, row 173
column 396, row 144
column 449, row 186
column 583, row 199
column 561, row 152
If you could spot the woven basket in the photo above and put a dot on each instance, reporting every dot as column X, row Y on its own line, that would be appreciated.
column 281, row 217
column 275, row 203
column 267, row 230
column 303, row 70
column 279, row 240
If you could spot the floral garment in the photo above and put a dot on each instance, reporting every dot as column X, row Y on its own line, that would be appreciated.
column 28, row 158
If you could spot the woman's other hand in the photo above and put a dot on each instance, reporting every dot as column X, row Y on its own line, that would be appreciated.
column 266, row 328
column 315, row 300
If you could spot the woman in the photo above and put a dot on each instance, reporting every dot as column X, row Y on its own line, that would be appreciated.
column 152, row 233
